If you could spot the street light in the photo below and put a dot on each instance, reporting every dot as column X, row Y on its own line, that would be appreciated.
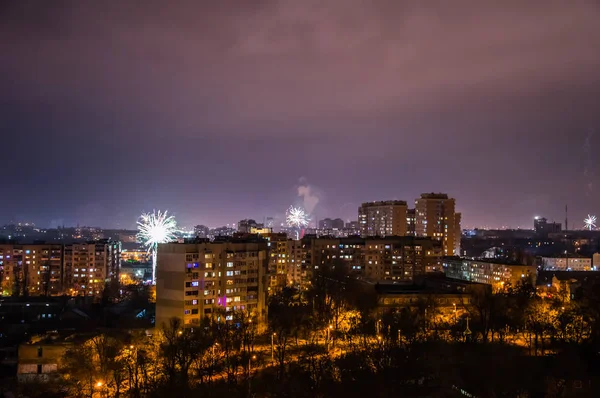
column 273, row 347
column 454, row 304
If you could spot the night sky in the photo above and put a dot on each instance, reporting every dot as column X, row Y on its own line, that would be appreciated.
column 222, row 110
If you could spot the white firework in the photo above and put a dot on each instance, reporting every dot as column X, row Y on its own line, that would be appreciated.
column 154, row 228
column 297, row 218
column 590, row 222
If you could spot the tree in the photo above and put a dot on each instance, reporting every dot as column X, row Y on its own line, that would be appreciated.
column 180, row 348
column 287, row 312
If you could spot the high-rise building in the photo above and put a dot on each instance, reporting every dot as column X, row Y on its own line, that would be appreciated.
column 351, row 228
column 383, row 218
column 31, row 269
column 198, row 278
column 328, row 223
column 410, row 222
column 457, row 233
column 246, row 226
column 542, row 227
column 277, row 267
column 435, row 218
column 89, row 267
column 201, row 231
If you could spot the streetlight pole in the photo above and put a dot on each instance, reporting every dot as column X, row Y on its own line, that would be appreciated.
column 250, row 358
column 272, row 347
column 454, row 313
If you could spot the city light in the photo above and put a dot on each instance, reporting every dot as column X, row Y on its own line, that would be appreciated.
column 154, row 228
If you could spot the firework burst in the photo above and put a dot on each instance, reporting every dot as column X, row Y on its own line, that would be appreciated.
column 154, row 228
column 297, row 218
column 590, row 222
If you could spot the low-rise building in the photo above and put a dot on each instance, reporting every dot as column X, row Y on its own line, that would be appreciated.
column 499, row 275
column 39, row 362
column 567, row 263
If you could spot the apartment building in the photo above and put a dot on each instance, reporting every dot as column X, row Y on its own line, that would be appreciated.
column 386, row 218
column 200, row 278
column 390, row 258
column 277, row 245
column 31, row 269
column 567, row 263
column 499, row 275
column 89, row 266
column 399, row 258
column 435, row 218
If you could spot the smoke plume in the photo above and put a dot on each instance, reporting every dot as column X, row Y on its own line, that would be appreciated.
column 309, row 196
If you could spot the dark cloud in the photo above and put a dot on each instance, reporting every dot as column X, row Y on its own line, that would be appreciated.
column 213, row 109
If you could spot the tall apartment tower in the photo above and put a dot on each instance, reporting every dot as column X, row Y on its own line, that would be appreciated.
column 435, row 218
column 200, row 279
column 410, row 222
column 90, row 266
column 458, row 233
column 382, row 219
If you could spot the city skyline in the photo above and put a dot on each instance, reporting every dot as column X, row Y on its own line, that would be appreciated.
column 219, row 113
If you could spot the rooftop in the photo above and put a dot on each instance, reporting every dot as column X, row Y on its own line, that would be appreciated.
column 485, row 260
column 384, row 203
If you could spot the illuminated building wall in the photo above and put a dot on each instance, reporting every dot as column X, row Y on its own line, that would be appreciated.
column 32, row 270
column 435, row 218
column 498, row 275
column 89, row 266
column 567, row 263
column 212, row 279
column 383, row 218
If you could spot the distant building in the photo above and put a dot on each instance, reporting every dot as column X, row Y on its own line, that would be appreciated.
column 328, row 223
column 435, row 218
column 495, row 273
column 411, row 220
column 246, row 226
column 211, row 279
column 567, row 263
column 351, row 228
column 386, row 218
column 201, row 231
column 135, row 256
column 224, row 231
column 543, row 227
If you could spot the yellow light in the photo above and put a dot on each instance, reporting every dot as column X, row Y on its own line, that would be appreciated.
column 99, row 384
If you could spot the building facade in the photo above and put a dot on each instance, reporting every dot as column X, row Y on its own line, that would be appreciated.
column 200, row 278
column 567, row 264
column 386, row 218
column 435, row 218
column 89, row 267
column 31, row 269
column 498, row 275
column 329, row 223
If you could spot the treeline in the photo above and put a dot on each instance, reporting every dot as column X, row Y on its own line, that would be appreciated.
column 331, row 339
